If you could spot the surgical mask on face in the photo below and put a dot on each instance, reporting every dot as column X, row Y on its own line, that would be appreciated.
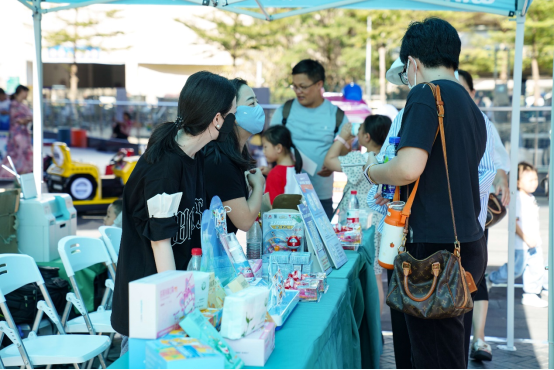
column 251, row 119
column 415, row 74
column 226, row 128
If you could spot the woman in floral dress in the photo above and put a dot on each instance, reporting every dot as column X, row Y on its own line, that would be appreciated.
column 20, row 147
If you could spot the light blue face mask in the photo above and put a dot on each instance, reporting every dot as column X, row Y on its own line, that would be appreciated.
column 252, row 119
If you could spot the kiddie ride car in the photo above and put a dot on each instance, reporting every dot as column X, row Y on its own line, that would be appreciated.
column 83, row 181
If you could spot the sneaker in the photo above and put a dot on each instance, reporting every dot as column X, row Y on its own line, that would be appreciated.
column 488, row 281
column 480, row 351
column 533, row 300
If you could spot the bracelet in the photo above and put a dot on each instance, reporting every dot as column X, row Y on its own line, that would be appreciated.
column 366, row 173
column 339, row 138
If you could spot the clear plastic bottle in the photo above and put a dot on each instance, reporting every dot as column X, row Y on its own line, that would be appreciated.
column 390, row 152
column 254, row 242
column 196, row 260
column 353, row 212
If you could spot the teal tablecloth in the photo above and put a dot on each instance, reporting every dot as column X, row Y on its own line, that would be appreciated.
column 316, row 335
column 364, row 296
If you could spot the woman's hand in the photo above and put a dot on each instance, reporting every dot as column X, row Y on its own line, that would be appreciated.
column 346, row 131
column 255, row 178
column 379, row 200
column 500, row 184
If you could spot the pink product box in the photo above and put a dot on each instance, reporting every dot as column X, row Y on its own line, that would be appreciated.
column 158, row 302
column 255, row 349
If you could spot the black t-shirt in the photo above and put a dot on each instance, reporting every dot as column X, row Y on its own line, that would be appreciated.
column 466, row 137
column 224, row 179
column 172, row 174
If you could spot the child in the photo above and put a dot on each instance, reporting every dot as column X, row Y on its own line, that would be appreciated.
column 277, row 144
column 113, row 216
column 529, row 260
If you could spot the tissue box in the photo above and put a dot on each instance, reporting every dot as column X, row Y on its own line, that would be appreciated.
column 237, row 284
column 214, row 316
column 280, row 226
column 137, row 348
column 216, row 294
column 256, row 266
column 307, row 269
column 244, row 312
column 196, row 326
column 182, row 353
column 201, row 289
column 280, row 257
column 256, row 348
column 297, row 268
column 158, row 302
column 300, row 258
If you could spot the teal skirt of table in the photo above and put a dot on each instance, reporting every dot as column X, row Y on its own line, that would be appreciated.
column 316, row 335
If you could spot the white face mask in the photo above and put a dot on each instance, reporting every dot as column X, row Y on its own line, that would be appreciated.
column 415, row 74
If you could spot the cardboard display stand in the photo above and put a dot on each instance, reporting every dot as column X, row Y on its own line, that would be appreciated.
column 330, row 240
column 314, row 243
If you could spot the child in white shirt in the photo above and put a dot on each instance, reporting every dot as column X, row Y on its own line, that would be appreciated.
column 528, row 244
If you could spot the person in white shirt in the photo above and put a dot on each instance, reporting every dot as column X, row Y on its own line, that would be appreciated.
column 529, row 261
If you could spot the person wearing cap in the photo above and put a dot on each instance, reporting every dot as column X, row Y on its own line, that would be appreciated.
column 467, row 136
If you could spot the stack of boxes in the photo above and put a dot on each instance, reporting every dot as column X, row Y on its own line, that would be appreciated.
column 289, row 262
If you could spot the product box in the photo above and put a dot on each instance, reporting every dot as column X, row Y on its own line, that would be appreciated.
column 201, row 289
column 237, row 284
column 255, row 348
column 308, row 291
column 137, row 348
column 182, row 353
column 244, row 312
column 307, row 269
column 196, row 326
column 283, row 230
column 300, row 258
column 280, row 257
column 158, row 302
column 9, row 205
column 256, row 266
column 214, row 316
column 216, row 294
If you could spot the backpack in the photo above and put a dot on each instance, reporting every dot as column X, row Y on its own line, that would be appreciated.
column 288, row 105
column 22, row 302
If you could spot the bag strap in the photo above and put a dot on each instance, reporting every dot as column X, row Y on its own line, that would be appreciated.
column 286, row 111
column 440, row 112
column 339, row 116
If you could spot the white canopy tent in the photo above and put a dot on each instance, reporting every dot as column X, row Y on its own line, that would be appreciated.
column 261, row 9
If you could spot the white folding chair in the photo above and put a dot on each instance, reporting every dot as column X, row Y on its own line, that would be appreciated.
column 78, row 253
column 17, row 270
column 112, row 238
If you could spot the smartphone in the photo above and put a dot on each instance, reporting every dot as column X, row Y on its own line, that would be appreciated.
column 532, row 251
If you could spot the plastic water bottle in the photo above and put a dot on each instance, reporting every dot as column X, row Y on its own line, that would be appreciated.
column 196, row 260
column 390, row 152
column 254, row 242
column 353, row 211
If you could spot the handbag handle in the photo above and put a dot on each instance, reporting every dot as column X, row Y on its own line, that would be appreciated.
column 408, row 270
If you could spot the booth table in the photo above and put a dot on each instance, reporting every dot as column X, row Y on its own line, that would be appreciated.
column 316, row 335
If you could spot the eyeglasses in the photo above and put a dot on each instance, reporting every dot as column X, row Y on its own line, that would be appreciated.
column 302, row 88
column 404, row 76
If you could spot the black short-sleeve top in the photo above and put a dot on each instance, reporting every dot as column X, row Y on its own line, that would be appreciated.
column 164, row 200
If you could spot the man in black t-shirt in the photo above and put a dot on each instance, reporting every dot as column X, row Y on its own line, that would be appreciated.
column 430, row 53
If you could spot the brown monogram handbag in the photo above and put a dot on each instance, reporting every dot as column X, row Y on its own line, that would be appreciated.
column 437, row 287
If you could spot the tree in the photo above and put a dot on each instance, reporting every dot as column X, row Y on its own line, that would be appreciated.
column 80, row 34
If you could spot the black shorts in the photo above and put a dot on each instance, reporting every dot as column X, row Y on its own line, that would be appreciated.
column 482, row 293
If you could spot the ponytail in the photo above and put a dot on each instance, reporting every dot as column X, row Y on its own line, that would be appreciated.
column 297, row 160
column 161, row 141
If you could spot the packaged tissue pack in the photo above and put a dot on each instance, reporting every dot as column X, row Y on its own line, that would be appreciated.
column 308, row 291
column 201, row 288
column 182, row 353
column 137, row 348
column 244, row 312
column 214, row 316
column 197, row 326
column 283, row 230
column 158, row 302
column 255, row 348
column 216, row 294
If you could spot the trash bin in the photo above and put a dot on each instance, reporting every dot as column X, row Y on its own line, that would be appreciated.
column 79, row 138
column 64, row 135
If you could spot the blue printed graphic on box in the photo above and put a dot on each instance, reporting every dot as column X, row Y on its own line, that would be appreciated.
column 283, row 230
column 182, row 353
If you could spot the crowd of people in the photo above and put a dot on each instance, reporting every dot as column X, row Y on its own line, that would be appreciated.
column 204, row 153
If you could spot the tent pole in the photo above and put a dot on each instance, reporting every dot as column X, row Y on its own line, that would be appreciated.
column 514, row 148
column 37, row 98
column 551, row 240
column 368, row 61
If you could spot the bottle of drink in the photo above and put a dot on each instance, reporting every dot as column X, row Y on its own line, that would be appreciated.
column 254, row 242
column 390, row 152
column 353, row 211
column 196, row 260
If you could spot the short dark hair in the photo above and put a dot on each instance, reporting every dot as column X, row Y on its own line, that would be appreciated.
column 311, row 68
column 377, row 126
column 434, row 42
column 127, row 114
column 117, row 206
column 524, row 167
column 2, row 92
column 467, row 78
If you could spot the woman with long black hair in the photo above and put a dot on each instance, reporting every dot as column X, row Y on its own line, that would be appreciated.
column 229, row 163
column 163, row 199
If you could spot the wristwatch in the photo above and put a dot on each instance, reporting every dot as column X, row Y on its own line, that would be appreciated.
column 366, row 173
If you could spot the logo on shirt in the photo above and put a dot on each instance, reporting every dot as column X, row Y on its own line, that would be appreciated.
column 189, row 219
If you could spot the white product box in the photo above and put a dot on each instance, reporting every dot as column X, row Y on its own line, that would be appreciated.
column 244, row 312
column 255, row 348
column 158, row 302
column 201, row 289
